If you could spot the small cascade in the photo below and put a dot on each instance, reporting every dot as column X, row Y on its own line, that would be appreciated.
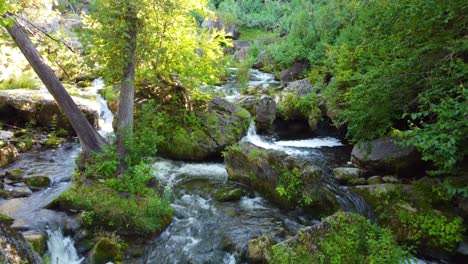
column 106, row 117
column 307, row 149
column 61, row 249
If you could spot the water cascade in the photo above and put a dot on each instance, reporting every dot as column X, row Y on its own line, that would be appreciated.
column 61, row 249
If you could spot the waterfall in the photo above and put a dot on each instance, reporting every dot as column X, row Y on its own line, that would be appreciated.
column 106, row 117
column 61, row 249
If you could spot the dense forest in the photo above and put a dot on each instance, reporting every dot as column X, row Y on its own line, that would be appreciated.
column 233, row 131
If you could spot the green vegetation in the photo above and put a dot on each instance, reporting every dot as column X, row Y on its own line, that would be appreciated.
column 291, row 186
column 293, row 106
column 349, row 238
column 392, row 74
column 24, row 81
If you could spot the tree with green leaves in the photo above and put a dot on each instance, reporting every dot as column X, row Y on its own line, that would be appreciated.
column 90, row 139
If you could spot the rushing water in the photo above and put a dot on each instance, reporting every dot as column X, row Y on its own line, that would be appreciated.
column 61, row 249
column 207, row 231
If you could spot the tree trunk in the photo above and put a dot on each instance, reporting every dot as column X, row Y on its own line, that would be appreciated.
column 90, row 139
column 127, row 90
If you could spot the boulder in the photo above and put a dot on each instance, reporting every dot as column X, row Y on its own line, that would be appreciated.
column 265, row 112
column 258, row 249
column 293, row 73
column 299, row 87
column 239, row 44
column 232, row 30
column 227, row 195
column 223, row 124
column 262, row 60
column 37, row 183
column 5, row 136
column 386, row 156
column 38, row 107
column 248, row 102
column 375, row 180
column 286, row 180
column 8, row 155
column 242, row 54
column 106, row 250
column 345, row 174
column 15, row 249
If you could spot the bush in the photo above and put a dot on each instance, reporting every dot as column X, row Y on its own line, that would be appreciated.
column 347, row 238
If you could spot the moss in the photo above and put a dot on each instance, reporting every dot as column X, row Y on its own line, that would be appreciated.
column 295, row 107
column 106, row 208
column 37, row 182
column 226, row 195
column 14, row 175
column 105, row 250
column 5, row 219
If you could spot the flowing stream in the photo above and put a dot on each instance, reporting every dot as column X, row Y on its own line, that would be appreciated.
column 203, row 230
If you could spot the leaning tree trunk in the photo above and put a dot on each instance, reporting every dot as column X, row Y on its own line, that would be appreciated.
column 127, row 89
column 90, row 139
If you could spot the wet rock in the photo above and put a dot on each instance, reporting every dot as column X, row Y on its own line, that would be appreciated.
column 375, row 180
column 300, row 87
column 224, row 124
column 14, row 175
column 346, row 174
column 5, row 136
column 8, row 155
column 267, row 171
column 384, row 155
column 37, row 183
column 293, row 73
column 228, row 195
column 38, row 107
column 258, row 249
column 38, row 241
column 358, row 181
column 17, row 191
column 248, row 102
column 105, row 251
column 265, row 112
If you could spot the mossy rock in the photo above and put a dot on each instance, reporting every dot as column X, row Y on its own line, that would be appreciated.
column 227, row 195
column 37, row 182
column 54, row 141
column 37, row 240
column 288, row 181
column 106, row 250
column 14, row 175
column 5, row 219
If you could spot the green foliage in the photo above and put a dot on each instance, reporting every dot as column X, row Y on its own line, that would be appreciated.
column 107, row 208
column 435, row 230
column 171, row 47
column 5, row 7
column 24, row 81
column 291, row 187
column 293, row 106
column 348, row 238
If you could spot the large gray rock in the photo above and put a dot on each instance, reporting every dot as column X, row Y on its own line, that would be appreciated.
column 6, row 135
column 258, row 249
column 39, row 108
column 8, row 155
column 267, row 171
column 293, row 73
column 300, row 87
column 232, row 30
column 384, row 155
column 242, row 54
column 262, row 60
column 346, row 174
column 14, row 249
column 223, row 124
column 265, row 112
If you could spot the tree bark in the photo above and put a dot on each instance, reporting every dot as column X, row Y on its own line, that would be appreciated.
column 90, row 139
column 127, row 89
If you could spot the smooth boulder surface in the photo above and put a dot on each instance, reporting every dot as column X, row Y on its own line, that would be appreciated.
column 217, row 24
column 38, row 107
column 386, row 156
column 8, row 155
column 265, row 112
column 264, row 170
